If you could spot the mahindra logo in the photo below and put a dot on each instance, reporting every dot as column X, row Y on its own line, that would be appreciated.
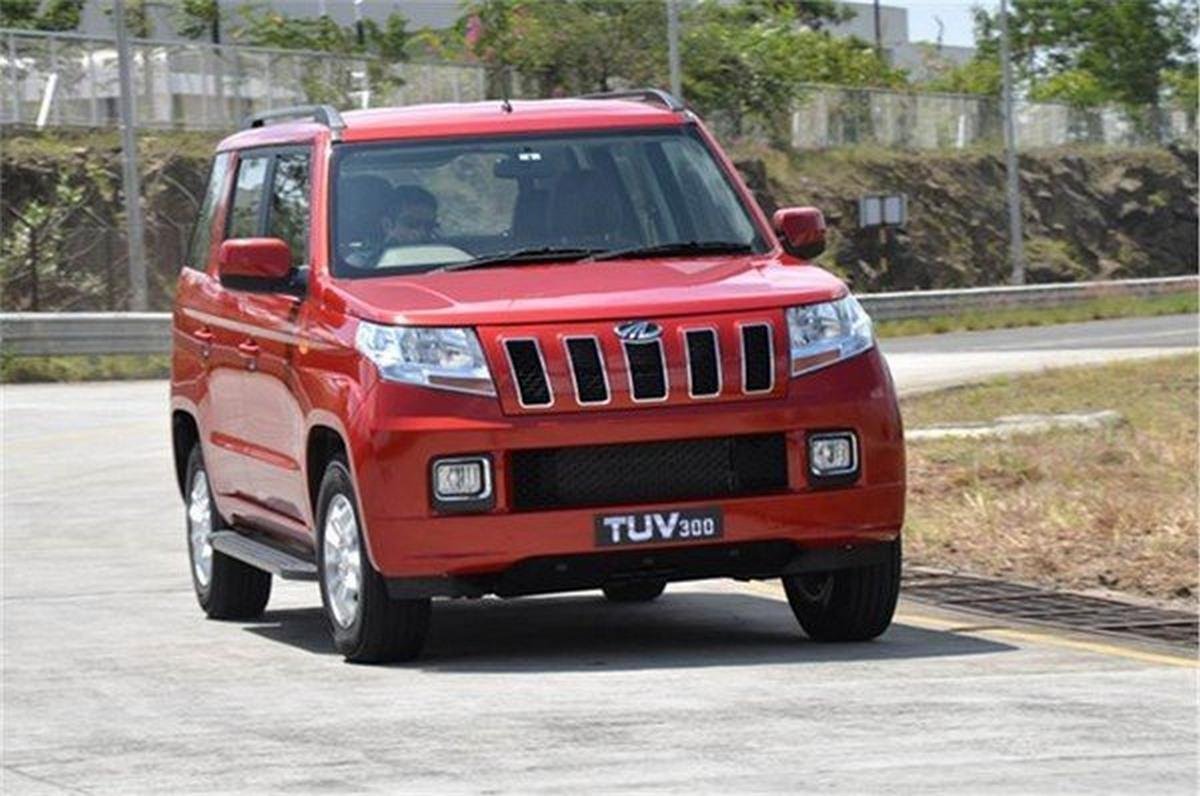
column 638, row 331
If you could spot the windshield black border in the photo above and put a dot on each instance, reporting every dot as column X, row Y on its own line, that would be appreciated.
column 759, row 244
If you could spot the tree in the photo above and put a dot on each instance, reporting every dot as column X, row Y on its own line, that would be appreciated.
column 1089, row 52
column 566, row 47
column 750, row 63
column 58, row 15
column 200, row 19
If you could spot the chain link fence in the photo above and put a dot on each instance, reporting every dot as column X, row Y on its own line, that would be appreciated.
column 832, row 116
column 70, row 80
column 67, row 80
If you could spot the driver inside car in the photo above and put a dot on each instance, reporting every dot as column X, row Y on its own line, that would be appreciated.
column 412, row 217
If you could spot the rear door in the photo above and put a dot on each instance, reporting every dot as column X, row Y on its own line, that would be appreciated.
column 206, row 367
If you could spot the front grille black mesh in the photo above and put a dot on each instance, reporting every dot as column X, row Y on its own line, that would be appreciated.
column 648, row 472
column 756, row 354
column 588, row 369
column 702, row 362
column 528, row 372
column 647, row 376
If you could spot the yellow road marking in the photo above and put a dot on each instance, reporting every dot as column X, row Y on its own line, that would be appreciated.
column 1026, row 635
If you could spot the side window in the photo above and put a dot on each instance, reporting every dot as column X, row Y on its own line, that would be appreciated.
column 201, row 239
column 246, row 212
column 288, row 216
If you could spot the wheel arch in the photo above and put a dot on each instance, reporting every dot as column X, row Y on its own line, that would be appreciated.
column 323, row 443
column 185, row 435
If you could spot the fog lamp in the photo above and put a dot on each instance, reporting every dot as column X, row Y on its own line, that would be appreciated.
column 464, row 478
column 833, row 454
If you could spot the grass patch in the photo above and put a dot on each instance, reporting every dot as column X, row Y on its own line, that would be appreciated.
column 1091, row 310
column 1113, row 509
column 117, row 367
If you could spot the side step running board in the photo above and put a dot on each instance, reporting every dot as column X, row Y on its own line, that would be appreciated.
column 264, row 556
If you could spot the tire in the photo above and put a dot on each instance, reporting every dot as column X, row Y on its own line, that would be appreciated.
column 638, row 591
column 225, row 587
column 846, row 604
column 369, row 626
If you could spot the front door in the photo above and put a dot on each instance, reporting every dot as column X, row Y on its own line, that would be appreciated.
column 270, row 423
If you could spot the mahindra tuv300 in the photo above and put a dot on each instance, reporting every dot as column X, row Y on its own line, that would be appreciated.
column 518, row 348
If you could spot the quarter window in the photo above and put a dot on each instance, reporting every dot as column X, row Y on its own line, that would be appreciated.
column 200, row 242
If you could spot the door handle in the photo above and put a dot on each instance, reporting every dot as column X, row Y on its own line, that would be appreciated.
column 204, row 336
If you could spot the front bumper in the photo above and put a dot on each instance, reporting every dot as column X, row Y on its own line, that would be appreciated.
column 402, row 429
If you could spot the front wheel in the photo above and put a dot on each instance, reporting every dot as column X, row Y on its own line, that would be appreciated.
column 225, row 587
column 847, row 604
column 368, row 626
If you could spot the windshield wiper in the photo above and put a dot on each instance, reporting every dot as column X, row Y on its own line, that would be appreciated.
column 534, row 255
column 676, row 247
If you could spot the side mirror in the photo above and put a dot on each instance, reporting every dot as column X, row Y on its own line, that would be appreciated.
column 801, row 230
column 261, row 265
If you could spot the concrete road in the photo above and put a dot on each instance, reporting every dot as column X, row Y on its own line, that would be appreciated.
column 932, row 361
column 114, row 683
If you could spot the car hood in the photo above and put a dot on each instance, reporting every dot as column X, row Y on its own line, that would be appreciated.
column 586, row 291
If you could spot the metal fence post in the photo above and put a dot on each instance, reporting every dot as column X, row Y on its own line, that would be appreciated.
column 268, row 81
column 55, row 105
column 14, row 75
column 673, row 48
column 1016, row 238
column 129, row 162
column 93, row 102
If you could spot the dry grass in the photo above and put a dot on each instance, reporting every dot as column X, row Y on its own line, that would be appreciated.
column 1113, row 510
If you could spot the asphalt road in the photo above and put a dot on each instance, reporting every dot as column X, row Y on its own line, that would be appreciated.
column 113, row 682
column 933, row 361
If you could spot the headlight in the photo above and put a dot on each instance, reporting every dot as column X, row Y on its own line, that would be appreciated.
column 822, row 334
column 448, row 359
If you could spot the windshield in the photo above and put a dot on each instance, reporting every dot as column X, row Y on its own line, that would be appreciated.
column 411, row 207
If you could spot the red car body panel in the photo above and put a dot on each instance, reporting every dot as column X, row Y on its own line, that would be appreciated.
column 258, row 373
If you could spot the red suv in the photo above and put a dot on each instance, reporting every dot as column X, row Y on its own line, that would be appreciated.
column 517, row 348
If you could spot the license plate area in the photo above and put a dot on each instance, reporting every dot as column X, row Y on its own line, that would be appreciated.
column 659, row 526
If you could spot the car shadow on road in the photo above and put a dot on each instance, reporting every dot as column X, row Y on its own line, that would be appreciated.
column 584, row 632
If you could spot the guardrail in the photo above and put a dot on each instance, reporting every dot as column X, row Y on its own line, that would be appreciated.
column 48, row 334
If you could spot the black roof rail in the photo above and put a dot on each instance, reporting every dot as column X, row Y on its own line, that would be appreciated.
column 323, row 114
column 664, row 98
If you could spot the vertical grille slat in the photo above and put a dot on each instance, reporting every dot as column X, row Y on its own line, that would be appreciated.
column 704, row 370
column 529, row 372
column 587, row 369
column 647, row 371
column 758, row 365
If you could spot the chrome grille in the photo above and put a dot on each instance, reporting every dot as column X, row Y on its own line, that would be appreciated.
column 704, row 363
column 529, row 372
column 582, row 366
column 758, row 358
column 647, row 371
column 587, row 370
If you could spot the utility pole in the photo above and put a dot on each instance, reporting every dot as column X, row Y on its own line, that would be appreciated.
column 1016, row 237
column 878, row 32
column 129, row 163
column 673, row 48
